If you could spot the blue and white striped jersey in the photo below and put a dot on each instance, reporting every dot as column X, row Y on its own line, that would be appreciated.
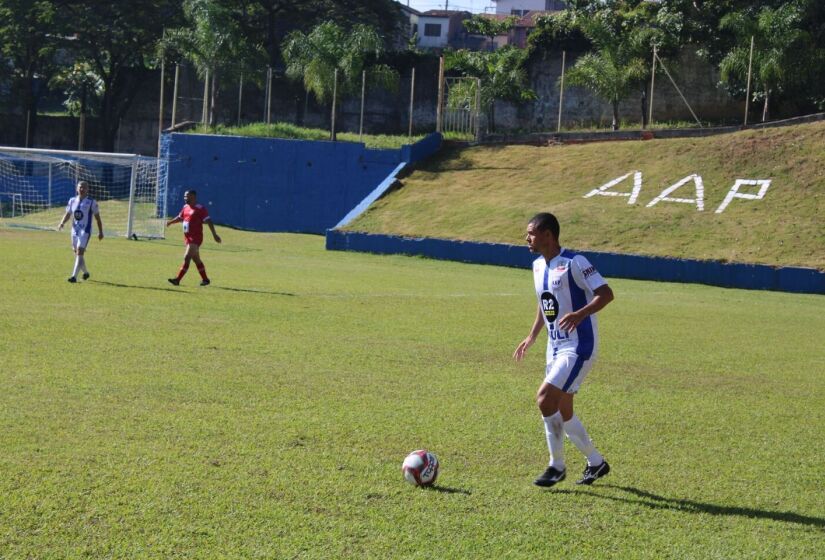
column 82, row 212
column 563, row 285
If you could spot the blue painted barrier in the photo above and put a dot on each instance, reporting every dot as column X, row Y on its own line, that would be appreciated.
column 265, row 184
column 637, row 267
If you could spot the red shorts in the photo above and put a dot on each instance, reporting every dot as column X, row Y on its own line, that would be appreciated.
column 193, row 240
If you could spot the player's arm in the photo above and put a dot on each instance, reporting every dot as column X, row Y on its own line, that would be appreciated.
column 64, row 220
column 208, row 221
column 99, row 226
column 601, row 297
column 538, row 324
column 176, row 220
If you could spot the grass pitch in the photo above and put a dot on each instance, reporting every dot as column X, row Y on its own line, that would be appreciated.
column 267, row 415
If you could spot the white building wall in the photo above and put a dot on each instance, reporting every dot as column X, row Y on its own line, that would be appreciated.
column 426, row 41
column 506, row 7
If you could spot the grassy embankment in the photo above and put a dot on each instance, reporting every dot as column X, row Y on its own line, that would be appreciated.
column 487, row 193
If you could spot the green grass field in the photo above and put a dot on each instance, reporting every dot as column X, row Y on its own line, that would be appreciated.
column 267, row 415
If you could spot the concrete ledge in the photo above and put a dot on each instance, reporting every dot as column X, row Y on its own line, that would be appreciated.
column 637, row 267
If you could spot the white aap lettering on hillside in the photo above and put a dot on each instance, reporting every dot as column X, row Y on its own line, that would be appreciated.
column 698, row 199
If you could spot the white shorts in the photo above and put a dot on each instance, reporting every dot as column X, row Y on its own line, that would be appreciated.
column 567, row 371
column 80, row 240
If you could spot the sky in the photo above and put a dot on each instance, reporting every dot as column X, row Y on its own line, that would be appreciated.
column 474, row 6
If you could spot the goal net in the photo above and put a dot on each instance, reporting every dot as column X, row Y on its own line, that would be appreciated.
column 35, row 186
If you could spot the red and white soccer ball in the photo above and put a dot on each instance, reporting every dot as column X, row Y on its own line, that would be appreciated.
column 420, row 468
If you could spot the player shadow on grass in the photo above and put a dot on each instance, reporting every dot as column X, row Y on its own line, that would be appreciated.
column 446, row 490
column 116, row 285
column 179, row 291
column 655, row 501
column 251, row 291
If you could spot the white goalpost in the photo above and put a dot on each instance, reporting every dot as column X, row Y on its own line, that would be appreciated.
column 35, row 186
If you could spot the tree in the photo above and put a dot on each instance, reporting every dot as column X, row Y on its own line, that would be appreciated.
column 489, row 27
column 778, row 40
column 213, row 41
column 502, row 73
column 268, row 22
column 28, row 40
column 614, row 68
column 313, row 59
column 118, row 40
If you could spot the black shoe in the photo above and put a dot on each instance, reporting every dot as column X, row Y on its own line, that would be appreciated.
column 205, row 282
column 72, row 280
column 550, row 477
column 174, row 281
column 592, row 474
column 86, row 275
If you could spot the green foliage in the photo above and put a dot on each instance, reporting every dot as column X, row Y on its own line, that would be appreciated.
column 29, row 34
column 502, row 72
column 267, row 415
column 558, row 31
column 778, row 39
column 81, row 84
column 314, row 57
column 489, row 27
column 288, row 130
column 266, row 23
column 615, row 66
column 117, row 40
column 211, row 39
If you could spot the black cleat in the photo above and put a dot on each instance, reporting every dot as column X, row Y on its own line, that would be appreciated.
column 72, row 280
column 550, row 477
column 174, row 281
column 592, row 474
column 86, row 275
column 205, row 282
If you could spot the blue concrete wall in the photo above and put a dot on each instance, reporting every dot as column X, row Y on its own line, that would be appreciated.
column 263, row 184
column 745, row 276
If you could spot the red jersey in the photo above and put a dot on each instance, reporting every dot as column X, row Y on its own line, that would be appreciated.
column 193, row 218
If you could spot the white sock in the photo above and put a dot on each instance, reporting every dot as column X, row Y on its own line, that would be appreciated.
column 554, row 430
column 77, row 264
column 578, row 435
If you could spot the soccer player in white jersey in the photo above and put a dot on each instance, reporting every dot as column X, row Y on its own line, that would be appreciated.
column 569, row 291
column 81, row 208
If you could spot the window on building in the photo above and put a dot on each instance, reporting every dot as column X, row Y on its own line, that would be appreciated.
column 518, row 13
column 432, row 30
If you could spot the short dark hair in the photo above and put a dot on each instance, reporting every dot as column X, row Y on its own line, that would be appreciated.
column 191, row 191
column 544, row 221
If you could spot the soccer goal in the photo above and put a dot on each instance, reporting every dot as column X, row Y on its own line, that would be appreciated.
column 35, row 186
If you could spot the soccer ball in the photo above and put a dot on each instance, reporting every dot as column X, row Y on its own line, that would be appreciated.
column 420, row 468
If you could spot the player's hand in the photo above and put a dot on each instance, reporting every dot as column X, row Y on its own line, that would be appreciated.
column 217, row 238
column 59, row 227
column 100, row 235
column 570, row 321
column 521, row 349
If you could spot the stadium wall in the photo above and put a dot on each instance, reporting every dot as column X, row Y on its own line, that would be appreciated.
column 263, row 184
column 637, row 267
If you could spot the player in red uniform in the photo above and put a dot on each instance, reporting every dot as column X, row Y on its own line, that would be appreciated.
column 193, row 216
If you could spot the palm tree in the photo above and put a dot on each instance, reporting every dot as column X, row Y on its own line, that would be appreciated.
column 614, row 68
column 778, row 41
column 502, row 73
column 213, row 42
column 314, row 57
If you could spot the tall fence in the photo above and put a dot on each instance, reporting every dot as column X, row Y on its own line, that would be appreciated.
column 690, row 92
